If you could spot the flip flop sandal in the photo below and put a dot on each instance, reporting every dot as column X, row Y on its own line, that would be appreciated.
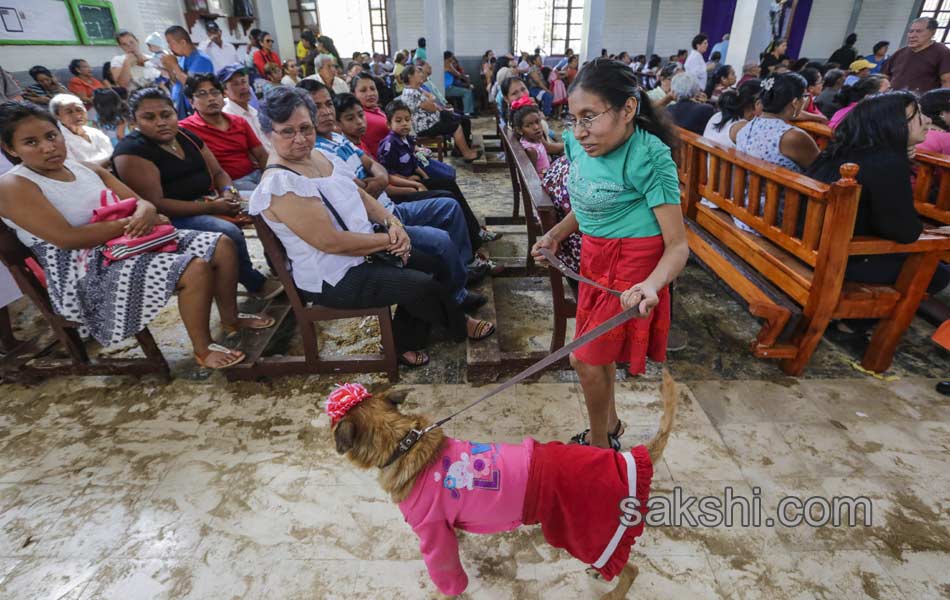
column 482, row 330
column 267, row 322
column 614, row 436
column 422, row 359
column 237, row 357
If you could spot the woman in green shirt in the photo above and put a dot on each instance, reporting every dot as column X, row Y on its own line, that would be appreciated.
column 625, row 201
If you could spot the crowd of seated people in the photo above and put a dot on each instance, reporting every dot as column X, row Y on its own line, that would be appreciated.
column 181, row 127
column 191, row 132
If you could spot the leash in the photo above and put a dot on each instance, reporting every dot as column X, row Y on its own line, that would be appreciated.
column 414, row 435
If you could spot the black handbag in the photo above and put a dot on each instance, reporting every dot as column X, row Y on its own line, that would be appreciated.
column 380, row 256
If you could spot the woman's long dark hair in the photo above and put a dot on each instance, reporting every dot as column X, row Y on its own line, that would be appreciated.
column 734, row 103
column 711, row 82
column 935, row 102
column 878, row 123
column 616, row 83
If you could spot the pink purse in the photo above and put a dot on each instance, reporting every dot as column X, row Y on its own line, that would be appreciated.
column 162, row 238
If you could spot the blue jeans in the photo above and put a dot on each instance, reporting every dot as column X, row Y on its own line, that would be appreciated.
column 437, row 227
column 248, row 276
column 546, row 99
column 468, row 100
column 249, row 182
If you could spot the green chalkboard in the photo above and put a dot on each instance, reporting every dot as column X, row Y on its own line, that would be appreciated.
column 96, row 21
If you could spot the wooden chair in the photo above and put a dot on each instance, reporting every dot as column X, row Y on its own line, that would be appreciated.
column 30, row 361
column 306, row 316
column 798, row 258
column 437, row 144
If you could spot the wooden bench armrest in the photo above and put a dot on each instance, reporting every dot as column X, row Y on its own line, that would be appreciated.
column 932, row 158
column 862, row 245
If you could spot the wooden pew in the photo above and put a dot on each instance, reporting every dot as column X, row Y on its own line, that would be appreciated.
column 541, row 216
column 257, row 366
column 821, row 133
column 932, row 186
column 30, row 360
column 795, row 262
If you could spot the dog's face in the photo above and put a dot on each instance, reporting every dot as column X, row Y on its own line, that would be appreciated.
column 370, row 430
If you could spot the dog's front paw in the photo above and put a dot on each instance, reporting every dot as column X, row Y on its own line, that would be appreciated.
column 594, row 573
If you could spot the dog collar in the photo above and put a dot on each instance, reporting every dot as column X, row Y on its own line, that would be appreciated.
column 407, row 442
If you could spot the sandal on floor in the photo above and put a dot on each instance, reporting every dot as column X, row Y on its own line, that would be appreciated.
column 236, row 357
column 422, row 359
column 482, row 330
column 267, row 322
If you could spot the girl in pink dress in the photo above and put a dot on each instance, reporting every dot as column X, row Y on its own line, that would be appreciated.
column 526, row 121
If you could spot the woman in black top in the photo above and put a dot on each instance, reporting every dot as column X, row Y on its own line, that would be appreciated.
column 880, row 135
column 774, row 55
column 172, row 169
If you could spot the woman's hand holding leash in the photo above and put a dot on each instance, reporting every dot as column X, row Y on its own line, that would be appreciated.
column 643, row 295
column 544, row 242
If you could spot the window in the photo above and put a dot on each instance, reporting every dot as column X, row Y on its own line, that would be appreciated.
column 352, row 31
column 303, row 15
column 567, row 19
column 940, row 10
column 552, row 25
column 378, row 26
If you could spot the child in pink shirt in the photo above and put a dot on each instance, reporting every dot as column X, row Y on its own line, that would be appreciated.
column 526, row 121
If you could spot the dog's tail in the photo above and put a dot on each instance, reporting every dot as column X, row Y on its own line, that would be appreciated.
column 658, row 443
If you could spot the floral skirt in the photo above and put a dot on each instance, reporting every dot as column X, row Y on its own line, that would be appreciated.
column 115, row 301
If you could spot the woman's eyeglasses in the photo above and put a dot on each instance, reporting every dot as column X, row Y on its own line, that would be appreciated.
column 290, row 133
column 587, row 122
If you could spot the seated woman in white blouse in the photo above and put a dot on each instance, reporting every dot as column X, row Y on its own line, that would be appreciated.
column 83, row 143
column 326, row 225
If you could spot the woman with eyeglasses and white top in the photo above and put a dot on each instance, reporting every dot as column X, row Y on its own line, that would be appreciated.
column 329, row 228
column 625, row 201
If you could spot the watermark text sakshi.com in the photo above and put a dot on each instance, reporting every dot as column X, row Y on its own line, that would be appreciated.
column 737, row 510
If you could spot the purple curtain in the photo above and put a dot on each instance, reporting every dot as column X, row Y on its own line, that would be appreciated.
column 797, row 32
column 717, row 17
column 716, row 21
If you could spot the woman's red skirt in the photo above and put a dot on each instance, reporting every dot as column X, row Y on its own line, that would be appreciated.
column 620, row 263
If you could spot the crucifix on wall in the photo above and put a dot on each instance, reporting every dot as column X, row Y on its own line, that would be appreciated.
column 781, row 13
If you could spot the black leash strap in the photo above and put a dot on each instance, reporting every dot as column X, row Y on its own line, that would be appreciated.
column 414, row 435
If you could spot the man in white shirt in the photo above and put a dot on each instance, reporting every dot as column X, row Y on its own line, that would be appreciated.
column 695, row 64
column 325, row 72
column 238, row 99
column 221, row 53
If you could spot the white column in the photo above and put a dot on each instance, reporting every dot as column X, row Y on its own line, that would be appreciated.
column 592, row 34
column 750, row 34
column 274, row 17
column 434, row 11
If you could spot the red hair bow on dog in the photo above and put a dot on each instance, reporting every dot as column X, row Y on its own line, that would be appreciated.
column 523, row 101
column 343, row 398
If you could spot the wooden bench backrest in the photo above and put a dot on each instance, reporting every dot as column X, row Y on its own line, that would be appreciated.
column 932, row 186
column 274, row 249
column 536, row 199
column 744, row 186
column 820, row 132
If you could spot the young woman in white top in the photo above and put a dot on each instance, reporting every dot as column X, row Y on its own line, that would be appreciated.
column 49, row 200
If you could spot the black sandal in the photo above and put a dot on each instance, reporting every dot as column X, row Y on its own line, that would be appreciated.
column 613, row 437
column 422, row 359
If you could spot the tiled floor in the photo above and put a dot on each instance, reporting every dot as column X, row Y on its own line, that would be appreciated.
column 198, row 490
column 124, row 489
